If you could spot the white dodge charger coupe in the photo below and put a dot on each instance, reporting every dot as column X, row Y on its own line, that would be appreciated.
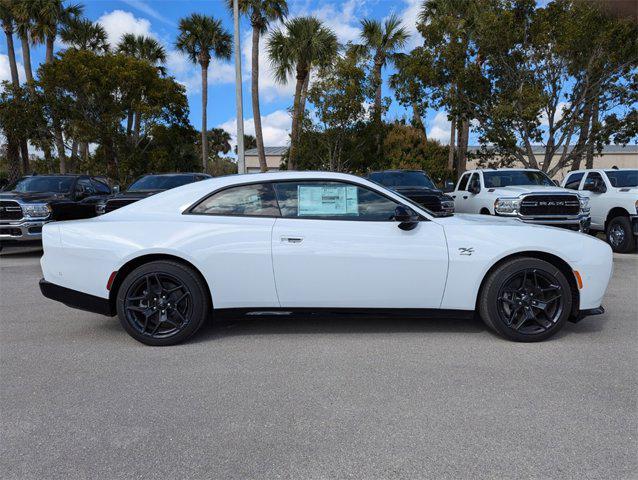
column 312, row 241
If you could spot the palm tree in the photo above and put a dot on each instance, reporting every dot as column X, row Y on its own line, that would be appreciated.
column 7, row 19
column 23, row 14
column 201, row 37
column 381, row 41
column 149, row 50
column 261, row 14
column 302, row 44
column 83, row 34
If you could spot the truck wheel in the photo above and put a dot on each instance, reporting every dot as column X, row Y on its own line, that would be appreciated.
column 620, row 236
column 526, row 300
column 162, row 303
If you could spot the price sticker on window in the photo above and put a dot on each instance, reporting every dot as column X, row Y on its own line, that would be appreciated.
column 315, row 200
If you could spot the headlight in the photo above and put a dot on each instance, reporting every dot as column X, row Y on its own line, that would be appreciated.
column 584, row 204
column 507, row 206
column 447, row 204
column 37, row 210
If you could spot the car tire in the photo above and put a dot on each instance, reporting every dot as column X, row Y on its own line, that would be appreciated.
column 162, row 303
column 526, row 300
column 619, row 235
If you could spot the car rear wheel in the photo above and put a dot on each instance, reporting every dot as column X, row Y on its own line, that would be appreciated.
column 162, row 303
column 619, row 235
column 526, row 300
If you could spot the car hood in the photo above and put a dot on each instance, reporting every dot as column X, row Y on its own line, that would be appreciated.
column 516, row 190
column 32, row 197
column 416, row 191
column 472, row 219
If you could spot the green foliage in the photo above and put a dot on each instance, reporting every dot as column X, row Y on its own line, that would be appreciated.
column 201, row 37
column 405, row 147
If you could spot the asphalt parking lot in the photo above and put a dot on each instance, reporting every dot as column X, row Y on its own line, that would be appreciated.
column 314, row 398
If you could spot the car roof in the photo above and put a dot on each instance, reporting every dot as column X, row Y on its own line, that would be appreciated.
column 175, row 174
column 403, row 170
column 584, row 170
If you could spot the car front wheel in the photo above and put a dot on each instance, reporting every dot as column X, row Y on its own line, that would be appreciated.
column 162, row 303
column 619, row 235
column 526, row 300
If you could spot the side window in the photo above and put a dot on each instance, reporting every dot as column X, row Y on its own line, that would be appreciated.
column 256, row 200
column 463, row 182
column 101, row 188
column 333, row 200
column 573, row 180
column 594, row 182
column 84, row 188
column 475, row 181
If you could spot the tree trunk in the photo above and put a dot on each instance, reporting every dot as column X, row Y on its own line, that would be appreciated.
column 13, row 158
column 73, row 159
column 450, row 155
column 378, row 64
column 26, row 59
column 464, row 135
column 13, row 66
column 129, row 124
column 204, row 66
column 84, row 151
column 577, row 151
column 137, row 126
column 417, row 121
column 49, row 48
column 302, row 106
column 259, row 137
column 589, row 159
column 294, row 130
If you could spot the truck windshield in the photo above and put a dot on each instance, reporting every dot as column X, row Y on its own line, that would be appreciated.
column 623, row 178
column 402, row 179
column 159, row 182
column 42, row 185
column 506, row 178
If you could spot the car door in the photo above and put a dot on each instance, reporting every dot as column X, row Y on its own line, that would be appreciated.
column 336, row 246
column 230, row 235
column 593, row 186
column 460, row 193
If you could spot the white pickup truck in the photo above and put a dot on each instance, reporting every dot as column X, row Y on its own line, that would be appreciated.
column 527, row 194
column 613, row 199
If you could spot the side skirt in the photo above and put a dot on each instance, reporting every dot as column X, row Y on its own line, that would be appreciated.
column 345, row 312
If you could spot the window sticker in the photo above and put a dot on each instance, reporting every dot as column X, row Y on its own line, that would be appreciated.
column 317, row 200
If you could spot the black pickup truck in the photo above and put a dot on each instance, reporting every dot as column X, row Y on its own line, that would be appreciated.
column 145, row 186
column 32, row 201
column 418, row 187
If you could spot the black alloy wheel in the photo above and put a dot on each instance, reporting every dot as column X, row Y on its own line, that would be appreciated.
column 162, row 303
column 619, row 235
column 530, row 301
column 526, row 299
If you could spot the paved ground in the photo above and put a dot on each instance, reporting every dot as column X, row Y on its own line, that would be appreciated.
column 314, row 398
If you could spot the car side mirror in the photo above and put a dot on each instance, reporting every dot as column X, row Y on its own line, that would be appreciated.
column 407, row 218
column 448, row 186
column 115, row 189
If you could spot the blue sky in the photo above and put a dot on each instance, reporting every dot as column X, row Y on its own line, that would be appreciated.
column 159, row 18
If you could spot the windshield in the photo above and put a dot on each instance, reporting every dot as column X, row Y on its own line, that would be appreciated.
column 506, row 178
column 159, row 182
column 623, row 178
column 42, row 184
column 402, row 179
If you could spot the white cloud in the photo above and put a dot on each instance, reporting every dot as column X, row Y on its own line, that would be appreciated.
column 409, row 17
column 561, row 108
column 275, row 127
column 148, row 10
column 190, row 75
column 119, row 22
column 5, row 69
column 440, row 128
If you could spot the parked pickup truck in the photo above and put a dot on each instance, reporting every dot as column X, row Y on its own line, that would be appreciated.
column 417, row 186
column 613, row 198
column 527, row 194
column 29, row 203
column 145, row 186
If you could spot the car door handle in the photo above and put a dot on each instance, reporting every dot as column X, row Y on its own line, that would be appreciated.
column 292, row 239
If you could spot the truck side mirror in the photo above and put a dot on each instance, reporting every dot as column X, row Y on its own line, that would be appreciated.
column 448, row 186
column 116, row 189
